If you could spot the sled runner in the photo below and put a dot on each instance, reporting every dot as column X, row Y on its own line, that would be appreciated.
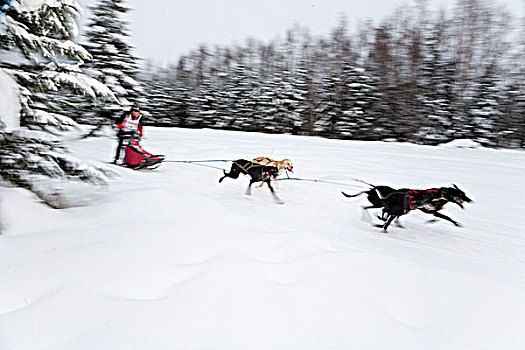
column 137, row 158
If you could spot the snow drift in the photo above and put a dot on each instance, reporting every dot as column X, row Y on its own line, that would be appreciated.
column 171, row 259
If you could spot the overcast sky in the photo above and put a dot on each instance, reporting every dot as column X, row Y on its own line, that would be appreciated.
column 163, row 30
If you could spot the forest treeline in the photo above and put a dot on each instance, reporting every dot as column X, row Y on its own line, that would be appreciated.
column 419, row 75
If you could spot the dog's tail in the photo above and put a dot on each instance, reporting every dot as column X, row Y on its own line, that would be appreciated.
column 354, row 195
column 366, row 183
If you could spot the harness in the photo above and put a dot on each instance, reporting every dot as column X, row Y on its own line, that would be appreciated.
column 409, row 203
column 243, row 169
column 442, row 193
column 265, row 175
column 269, row 160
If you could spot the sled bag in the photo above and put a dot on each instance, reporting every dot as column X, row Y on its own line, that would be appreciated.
column 137, row 157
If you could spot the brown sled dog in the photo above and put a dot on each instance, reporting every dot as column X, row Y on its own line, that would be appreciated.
column 281, row 165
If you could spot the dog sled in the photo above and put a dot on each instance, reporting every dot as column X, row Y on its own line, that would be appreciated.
column 136, row 157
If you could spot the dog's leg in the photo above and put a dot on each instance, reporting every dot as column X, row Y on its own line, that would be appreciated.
column 442, row 216
column 222, row 178
column 389, row 221
column 275, row 183
column 235, row 172
column 249, row 189
column 275, row 197
column 366, row 214
column 382, row 217
column 398, row 223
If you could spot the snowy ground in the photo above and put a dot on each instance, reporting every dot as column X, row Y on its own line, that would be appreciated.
column 171, row 259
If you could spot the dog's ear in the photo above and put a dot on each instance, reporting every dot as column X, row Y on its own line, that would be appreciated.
column 456, row 187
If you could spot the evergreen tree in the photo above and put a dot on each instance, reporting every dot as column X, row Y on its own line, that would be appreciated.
column 41, row 31
column 434, row 89
column 358, row 97
column 181, row 95
column 113, row 63
column 157, row 90
column 416, row 77
column 302, row 108
column 329, row 107
column 205, row 105
column 379, row 65
column 484, row 111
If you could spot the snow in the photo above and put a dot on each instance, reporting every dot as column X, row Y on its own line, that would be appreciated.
column 46, row 46
column 58, row 120
column 60, row 193
column 87, row 85
column 171, row 259
column 10, row 102
column 37, row 136
column 36, row 5
column 462, row 143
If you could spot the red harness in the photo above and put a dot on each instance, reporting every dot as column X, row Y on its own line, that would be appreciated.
column 411, row 198
column 411, row 203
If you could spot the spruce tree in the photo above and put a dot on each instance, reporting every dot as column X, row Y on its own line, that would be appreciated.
column 113, row 63
column 39, row 33
column 358, row 98
column 434, row 89
column 42, row 33
column 484, row 111
column 160, row 89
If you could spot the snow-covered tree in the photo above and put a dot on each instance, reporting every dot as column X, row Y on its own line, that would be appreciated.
column 114, row 62
column 38, row 52
column 158, row 91
column 358, row 97
column 484, row 111
column 435, row 82
column 417, row 76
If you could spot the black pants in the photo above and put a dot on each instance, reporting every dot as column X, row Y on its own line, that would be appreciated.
column 119, row 147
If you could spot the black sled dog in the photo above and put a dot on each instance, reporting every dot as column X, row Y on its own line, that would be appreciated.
column 399, row 202
column 257, row 173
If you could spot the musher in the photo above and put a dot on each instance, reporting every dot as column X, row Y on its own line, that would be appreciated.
column 130, row 126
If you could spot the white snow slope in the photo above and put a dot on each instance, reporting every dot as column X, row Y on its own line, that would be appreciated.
column 171, row 259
